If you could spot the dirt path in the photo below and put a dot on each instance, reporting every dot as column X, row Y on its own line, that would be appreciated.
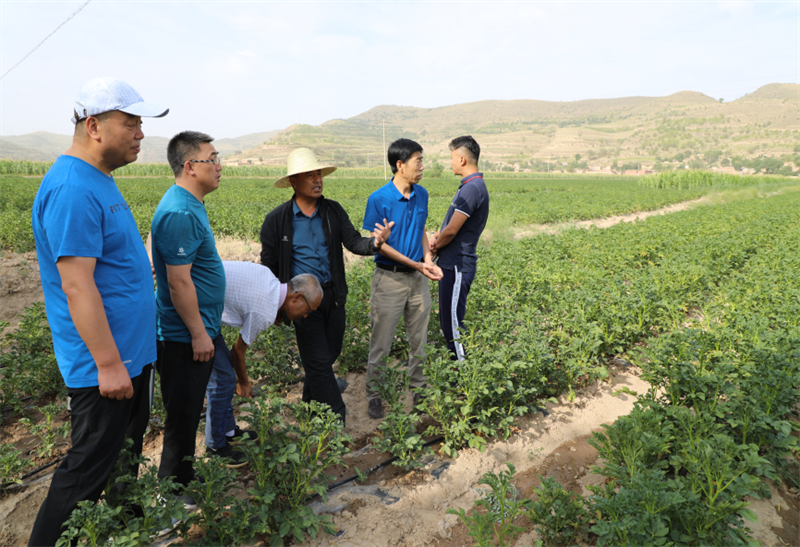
column 537, row 229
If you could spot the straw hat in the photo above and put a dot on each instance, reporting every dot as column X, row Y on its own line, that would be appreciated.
column 302, row 160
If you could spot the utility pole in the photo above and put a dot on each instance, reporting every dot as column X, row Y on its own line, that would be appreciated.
column 383, row 123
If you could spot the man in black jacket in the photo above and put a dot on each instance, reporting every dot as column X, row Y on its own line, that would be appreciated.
column 305, row 235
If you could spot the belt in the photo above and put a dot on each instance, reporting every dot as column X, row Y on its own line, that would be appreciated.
column 396, row 269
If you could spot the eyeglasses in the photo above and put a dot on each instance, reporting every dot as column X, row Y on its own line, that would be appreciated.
column 307, row 304
column 215, row 161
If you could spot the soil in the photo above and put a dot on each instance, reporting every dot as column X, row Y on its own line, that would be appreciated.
column 393, row 507
column 19, row 284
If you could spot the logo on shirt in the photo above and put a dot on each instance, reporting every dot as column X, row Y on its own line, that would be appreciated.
column 285, row 238
column 181, row 251
column 119, row 207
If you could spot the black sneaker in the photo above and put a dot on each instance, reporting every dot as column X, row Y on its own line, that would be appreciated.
column 375, row 408
column 237, row 437
column 235, row 458
column 188, row 501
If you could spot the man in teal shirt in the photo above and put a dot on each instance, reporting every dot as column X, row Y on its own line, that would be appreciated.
column 189, row 299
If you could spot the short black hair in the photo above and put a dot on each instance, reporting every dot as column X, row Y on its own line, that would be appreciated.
column 469, row 143
column 183, row 145
column 402, row 150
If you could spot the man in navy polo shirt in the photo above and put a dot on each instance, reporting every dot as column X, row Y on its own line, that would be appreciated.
column 402, row 269
column 457, row 241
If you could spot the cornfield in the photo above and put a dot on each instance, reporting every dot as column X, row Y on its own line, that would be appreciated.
column 687, row 180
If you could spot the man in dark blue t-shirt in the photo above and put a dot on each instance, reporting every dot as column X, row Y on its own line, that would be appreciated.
column 189, row 299
column 457, row 241
column 98, row 296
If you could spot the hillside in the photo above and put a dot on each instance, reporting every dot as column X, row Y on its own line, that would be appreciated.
column 686, row 128
column 524, row 132
column 44, row 146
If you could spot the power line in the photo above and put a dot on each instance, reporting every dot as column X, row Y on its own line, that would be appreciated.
column 45, row 39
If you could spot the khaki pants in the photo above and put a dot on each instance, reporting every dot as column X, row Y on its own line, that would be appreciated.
column 394, row 295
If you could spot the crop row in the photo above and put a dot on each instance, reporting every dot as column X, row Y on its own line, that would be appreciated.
column 238, row 208
column 550, row 312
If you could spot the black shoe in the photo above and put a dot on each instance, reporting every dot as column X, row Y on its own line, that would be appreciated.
column 342, row 384
column 188, row 501
column 375, row 409
column 235, row 458
column 238, row 436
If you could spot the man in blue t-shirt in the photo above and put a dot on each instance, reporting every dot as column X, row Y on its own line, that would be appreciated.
column 402, row 269
column 189, row 299
column 98, row 296
column 457, row 241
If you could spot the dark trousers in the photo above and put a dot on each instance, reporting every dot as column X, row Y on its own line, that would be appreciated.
column 319, row 339
column 453, row 291
column 99, row 427
column 183, row 386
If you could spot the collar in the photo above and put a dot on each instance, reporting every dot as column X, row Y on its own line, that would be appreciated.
column 296, row 209
column 399, row 195
column 471, row 177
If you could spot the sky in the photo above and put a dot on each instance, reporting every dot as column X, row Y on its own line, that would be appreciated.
column 230, row 68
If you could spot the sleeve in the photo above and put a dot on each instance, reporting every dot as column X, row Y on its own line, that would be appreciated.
column 74, row 221
column 371, row 214
column 468, row 200
column 254, row 324
column 269, row 249
column 177, row 237
column 351, row 238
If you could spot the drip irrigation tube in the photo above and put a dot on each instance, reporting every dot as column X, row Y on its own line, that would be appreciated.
column 26, row 475
column 371, row 469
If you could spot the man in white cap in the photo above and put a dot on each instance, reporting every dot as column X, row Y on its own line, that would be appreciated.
column 305, row 235
column 88, row 246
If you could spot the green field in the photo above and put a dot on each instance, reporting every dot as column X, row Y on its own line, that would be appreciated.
column 706, row 301
column 238, row 207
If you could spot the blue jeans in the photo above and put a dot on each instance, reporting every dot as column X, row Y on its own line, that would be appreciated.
column 219, row 396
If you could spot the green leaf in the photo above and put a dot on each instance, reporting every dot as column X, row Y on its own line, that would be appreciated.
column 748, row 514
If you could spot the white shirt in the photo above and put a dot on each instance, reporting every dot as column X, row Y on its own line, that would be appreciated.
column 252, row 298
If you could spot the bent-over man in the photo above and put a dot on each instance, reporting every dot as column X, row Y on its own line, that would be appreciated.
column 254, row 300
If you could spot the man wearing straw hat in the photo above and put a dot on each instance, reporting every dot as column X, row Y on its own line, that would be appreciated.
column 305, row 235
column 104, row 338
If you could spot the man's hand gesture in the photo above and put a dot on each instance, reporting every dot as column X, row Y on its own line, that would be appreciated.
column 382, row 233
column 432, row 242
column 432, row 271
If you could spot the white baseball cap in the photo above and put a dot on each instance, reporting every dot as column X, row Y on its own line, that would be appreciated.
column 107, row 94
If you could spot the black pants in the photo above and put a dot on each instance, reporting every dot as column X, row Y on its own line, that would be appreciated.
column 453, row 291
column 183, row 386
column 99, row 427
column 319, row 339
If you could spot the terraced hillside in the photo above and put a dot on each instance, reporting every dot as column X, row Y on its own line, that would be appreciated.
column 680, row 127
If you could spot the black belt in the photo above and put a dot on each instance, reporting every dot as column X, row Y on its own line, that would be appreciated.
column 397, row 269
